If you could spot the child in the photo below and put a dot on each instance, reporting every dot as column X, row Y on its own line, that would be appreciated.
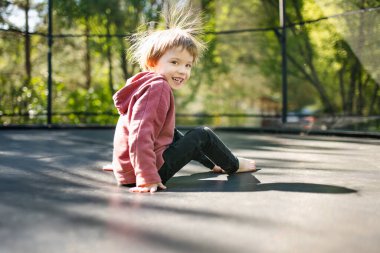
column 148, row 150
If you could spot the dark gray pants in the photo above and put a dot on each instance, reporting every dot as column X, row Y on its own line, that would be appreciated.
column 200, row 144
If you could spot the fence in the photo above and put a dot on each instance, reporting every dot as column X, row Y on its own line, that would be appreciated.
column 70, row 67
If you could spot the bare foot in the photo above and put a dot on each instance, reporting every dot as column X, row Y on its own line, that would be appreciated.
column 246, row 165
column 107, row 167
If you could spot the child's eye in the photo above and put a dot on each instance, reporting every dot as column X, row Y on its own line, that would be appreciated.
column 174, row 62
column 188, row 65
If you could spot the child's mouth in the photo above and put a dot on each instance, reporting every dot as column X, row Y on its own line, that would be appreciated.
column 178, row 80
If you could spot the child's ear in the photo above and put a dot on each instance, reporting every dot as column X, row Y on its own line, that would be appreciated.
column 151, row 64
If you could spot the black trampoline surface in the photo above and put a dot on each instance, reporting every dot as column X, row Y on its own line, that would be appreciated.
column 312, row 194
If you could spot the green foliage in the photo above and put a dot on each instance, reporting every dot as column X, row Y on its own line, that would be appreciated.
column 239, row 74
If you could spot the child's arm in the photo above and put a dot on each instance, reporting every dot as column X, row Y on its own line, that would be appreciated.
column 146, row 121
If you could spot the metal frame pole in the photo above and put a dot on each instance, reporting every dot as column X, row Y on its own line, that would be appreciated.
column 49, row 58
column 284, row 114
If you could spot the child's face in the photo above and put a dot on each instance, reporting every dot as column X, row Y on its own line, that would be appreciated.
column 175, row 65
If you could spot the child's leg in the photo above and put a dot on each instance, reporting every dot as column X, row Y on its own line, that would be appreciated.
column 201, row 158
column 192, row 145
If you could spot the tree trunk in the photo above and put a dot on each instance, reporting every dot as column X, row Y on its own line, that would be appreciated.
column 360, row 37
column 360, row 104
column 373, row 99
column 123, row 59
column 351, row 92
column 88, row 55
column 28, row 66
column 322, row 92
column 341, row 73
column 109, row 57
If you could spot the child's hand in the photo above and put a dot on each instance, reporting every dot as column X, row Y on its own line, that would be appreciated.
column 217, row 169
column 152, row 188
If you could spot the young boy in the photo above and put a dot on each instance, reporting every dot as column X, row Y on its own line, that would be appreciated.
column 146, row 154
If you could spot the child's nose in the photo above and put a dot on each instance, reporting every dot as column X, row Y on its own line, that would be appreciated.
column 182, row 70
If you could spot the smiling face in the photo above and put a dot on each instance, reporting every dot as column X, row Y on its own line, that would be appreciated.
column 175, row 65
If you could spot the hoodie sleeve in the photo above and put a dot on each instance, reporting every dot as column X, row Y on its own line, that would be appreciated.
column 147, row 119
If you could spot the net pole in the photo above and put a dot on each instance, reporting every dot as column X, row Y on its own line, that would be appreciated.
column 49, row 59
column 284, row 72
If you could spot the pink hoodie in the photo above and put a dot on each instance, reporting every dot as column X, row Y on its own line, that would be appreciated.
column 144, row 130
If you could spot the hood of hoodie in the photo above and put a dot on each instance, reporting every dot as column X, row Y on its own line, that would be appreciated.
column 134, row 84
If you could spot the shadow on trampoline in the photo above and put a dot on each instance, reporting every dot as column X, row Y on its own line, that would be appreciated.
column 246, row 182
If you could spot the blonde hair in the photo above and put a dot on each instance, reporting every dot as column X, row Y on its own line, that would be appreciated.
column 183, row 27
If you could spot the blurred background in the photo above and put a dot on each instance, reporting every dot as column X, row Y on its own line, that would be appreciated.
column 332, row 55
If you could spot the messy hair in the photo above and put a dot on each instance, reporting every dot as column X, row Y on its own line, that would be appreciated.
column 183, row 27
